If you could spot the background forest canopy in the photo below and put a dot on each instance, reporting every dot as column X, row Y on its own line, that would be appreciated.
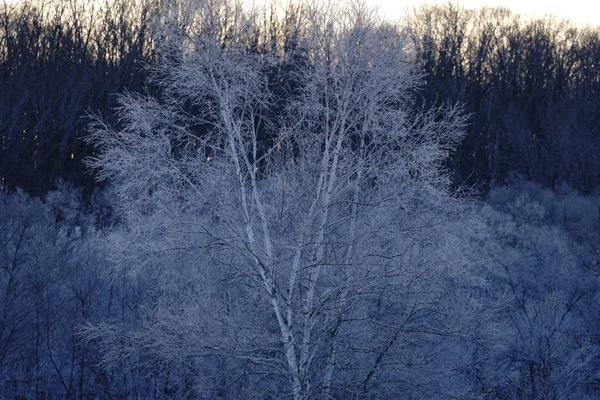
column 201, row 201
column 529, row 86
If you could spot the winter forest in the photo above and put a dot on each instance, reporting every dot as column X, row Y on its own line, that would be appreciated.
column 203, row 200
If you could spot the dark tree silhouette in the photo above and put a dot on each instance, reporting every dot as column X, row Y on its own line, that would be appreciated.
column 531, row 88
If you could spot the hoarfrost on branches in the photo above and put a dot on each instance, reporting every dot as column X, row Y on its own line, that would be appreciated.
column 309, row 236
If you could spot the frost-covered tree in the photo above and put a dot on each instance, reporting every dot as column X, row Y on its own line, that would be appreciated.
column 542, row 246
column 318, row 245
column 50, row 268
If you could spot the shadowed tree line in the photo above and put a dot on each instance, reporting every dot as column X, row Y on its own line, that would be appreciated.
column 57, row 60
column 530, row 85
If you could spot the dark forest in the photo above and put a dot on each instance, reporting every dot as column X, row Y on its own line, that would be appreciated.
column 530, row 87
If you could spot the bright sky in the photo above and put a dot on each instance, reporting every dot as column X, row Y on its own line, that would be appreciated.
column 578, row 11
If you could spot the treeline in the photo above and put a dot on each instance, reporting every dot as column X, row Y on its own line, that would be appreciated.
column 59, row 59
column 530, row 86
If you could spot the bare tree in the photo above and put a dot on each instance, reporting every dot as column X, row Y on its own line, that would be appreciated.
column 321, row 246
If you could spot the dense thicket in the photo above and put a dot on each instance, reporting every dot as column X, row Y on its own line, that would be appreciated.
column 530, row 85
column 541, row 307
column 52, row 265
